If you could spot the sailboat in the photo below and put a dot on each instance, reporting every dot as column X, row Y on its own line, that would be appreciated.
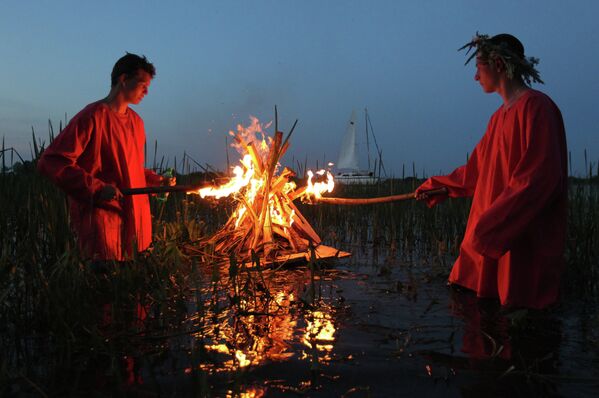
column 348, row 170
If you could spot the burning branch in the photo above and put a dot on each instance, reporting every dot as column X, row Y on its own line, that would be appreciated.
column 382, row 199
column 163, row 189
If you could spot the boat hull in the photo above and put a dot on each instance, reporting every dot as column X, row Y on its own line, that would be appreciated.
column 351, row 178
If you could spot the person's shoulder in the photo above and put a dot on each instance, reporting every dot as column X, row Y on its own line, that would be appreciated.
column 134, row 114
column 538, row 98
column 496, row 114
column 539, row 103
column 88, row 114
column 94, row 109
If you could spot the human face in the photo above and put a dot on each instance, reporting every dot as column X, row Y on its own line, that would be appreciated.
column 487, row 75
column 136, row 87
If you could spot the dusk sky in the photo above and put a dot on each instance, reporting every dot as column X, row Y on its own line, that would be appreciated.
column 219, row 62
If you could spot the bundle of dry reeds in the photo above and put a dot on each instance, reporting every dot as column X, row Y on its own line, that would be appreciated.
column 266, row 221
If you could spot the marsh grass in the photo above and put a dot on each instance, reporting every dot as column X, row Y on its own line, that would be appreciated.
column 61, row 323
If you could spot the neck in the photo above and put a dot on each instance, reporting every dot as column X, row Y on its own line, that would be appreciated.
column 510, row 91
column 115, row 101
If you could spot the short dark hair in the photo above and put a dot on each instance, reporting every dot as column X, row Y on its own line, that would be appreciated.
column 129, row 64
column 510, row 42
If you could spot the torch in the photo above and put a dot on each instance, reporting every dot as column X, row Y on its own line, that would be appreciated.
column 381, row 199
column 163, row 189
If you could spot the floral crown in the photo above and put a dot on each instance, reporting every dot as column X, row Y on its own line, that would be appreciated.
column 515, row 64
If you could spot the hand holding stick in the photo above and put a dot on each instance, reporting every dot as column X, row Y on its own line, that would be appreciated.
column 110, row 192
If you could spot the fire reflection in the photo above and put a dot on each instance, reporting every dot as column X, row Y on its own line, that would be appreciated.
column 262, row 327
column 320, row 332
column 254, row 392
column 259, row 327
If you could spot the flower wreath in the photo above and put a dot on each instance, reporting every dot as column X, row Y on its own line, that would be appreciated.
column 515, row 64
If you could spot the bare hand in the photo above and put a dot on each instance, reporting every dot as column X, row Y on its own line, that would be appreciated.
column 169, row 181
column 423, row 194
column 110, row 192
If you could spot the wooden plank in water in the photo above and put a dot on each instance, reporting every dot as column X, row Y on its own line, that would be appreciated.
column 322, row 252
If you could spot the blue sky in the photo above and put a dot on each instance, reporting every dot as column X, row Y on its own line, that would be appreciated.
column 220, row 61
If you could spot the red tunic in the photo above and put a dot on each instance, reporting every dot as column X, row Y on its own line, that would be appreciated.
column 517, row 175
column 100, row 147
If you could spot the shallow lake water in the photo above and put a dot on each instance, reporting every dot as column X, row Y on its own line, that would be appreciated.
column 373, row 325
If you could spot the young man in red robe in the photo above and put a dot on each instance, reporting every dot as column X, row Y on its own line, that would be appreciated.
column 100, row 152
column 517, row 176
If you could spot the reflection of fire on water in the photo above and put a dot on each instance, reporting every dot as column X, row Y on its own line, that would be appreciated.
column 320, row 332
column 250, row 393
column 265, row 220
column 250, row 340
column 268, row 328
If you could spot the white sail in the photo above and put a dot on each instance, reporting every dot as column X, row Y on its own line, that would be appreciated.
column 348, row 153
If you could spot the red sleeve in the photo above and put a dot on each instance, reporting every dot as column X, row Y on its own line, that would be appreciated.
column 537, row 179
column 59, row 160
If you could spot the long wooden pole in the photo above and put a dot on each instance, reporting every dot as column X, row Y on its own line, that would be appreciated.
column 382, row 199
column 163, row 189
column 329, row 200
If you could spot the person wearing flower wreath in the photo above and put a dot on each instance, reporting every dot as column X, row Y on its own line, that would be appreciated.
column 517, row 177
column 100, row 152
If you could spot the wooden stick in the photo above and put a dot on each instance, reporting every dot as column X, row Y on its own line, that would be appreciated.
column 249, row 209
column 251, row 149
column 163, row 189
column 269, row 170
column 297, row 193
column 302, row 225
column 382, row 199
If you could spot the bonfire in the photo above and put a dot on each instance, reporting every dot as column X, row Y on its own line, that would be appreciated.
column 265, row 220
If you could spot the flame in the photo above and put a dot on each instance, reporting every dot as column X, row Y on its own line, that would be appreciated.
column 319, row 187
column 278, row 215
column 253, row 134
column 240, row 180
column 289, row 187
column 264, row 145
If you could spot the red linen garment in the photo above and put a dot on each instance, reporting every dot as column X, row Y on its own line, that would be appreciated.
column 517, row 175
column 100, row 147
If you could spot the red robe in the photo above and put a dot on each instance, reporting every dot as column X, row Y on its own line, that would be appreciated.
column 100, row 147
column 517, row 175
